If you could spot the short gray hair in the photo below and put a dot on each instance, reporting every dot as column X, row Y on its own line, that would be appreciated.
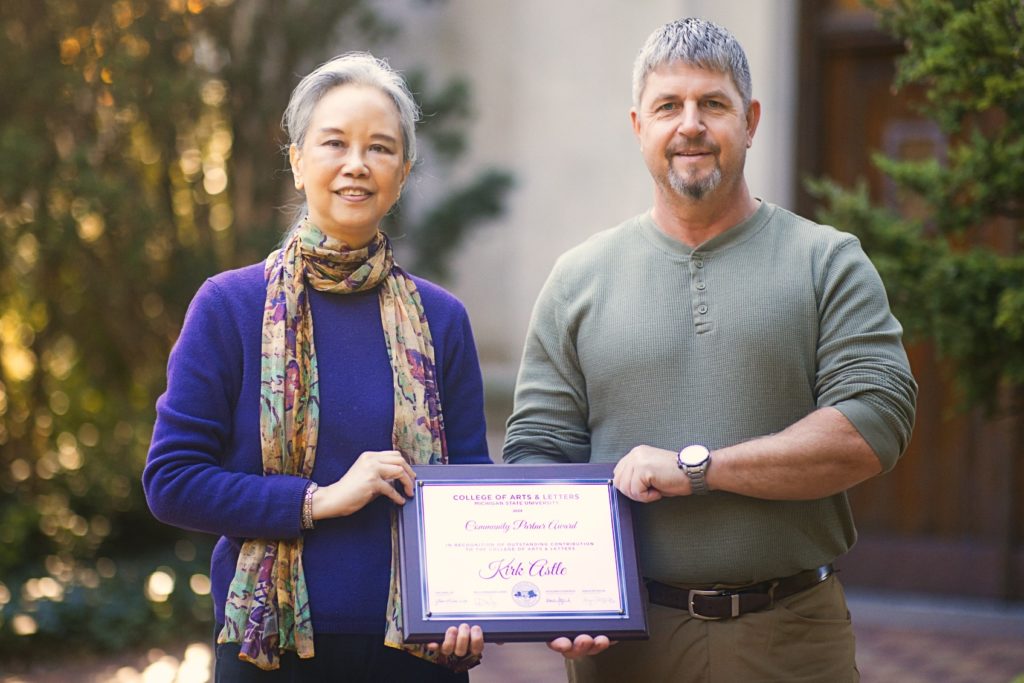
column 696, row 42
column 359, row 68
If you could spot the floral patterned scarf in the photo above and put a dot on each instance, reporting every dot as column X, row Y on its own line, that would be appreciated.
column 268, row 609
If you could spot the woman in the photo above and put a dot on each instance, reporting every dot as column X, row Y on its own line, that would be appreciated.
column 327, row 364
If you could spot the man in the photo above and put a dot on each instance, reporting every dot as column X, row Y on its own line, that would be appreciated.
column 741, row 365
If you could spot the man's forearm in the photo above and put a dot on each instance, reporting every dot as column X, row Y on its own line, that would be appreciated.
column 818, row 456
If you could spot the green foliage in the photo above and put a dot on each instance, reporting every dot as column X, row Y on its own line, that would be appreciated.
column 451, row 218
column 443, row 114
column 140, row 152
column 103, row 234
column 947, row 282
column 150, row 598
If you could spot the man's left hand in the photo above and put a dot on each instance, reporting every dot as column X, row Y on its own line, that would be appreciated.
column 647, row 474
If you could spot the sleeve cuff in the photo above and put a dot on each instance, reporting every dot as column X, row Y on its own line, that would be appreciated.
column 874, row 428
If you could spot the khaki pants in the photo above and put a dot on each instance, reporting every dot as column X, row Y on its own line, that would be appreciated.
column 805, row 638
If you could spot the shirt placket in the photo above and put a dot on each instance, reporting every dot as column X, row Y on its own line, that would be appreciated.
column 702, row 320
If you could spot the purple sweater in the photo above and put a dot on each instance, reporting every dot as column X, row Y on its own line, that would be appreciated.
column 204, row 470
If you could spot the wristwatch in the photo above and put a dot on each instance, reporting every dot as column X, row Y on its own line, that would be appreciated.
column 695, row 460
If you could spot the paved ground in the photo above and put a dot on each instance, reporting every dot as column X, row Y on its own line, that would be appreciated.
column 900, row 639
column 907, row 640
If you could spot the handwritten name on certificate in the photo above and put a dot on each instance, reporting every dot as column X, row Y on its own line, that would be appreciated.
column 519, row 548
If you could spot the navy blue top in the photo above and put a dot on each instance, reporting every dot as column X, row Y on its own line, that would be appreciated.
column 204, row 470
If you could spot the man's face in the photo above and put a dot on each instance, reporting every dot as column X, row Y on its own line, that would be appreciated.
column 693, row 130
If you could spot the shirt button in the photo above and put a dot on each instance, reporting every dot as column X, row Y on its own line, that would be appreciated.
column 699, row 263
column 702, row 309
column 701, row 285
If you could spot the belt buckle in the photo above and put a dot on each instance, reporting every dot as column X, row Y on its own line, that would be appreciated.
column 694, row 592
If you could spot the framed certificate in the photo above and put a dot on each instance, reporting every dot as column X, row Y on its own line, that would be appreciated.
column 528, row 552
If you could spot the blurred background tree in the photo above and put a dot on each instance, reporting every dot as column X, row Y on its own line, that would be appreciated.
column 953, row 263
column 140, row 152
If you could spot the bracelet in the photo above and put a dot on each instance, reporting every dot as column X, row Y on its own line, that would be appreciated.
column 307, row 506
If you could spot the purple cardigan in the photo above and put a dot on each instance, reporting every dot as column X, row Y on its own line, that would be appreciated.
column 204, row 470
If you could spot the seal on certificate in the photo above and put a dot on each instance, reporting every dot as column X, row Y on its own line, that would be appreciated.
column 525, row 594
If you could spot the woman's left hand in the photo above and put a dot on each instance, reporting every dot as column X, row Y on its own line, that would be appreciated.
column 460, row 641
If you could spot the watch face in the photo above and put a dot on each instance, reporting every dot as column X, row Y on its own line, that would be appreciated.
column 693, row 455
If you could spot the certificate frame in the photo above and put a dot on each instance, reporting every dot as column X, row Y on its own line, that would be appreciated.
column 424, row 622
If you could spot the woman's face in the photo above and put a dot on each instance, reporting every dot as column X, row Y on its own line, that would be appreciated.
column 351, row 164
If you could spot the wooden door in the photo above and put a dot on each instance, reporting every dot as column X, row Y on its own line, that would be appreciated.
column 949, row 518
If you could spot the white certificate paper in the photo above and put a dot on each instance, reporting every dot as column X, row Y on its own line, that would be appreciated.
column 515, row 549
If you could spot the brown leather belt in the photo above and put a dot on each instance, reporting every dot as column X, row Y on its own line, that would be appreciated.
column 732, row 602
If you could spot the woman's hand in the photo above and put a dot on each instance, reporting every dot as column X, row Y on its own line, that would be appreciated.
column 582, row 646
column 373, row 474
column 461, row 641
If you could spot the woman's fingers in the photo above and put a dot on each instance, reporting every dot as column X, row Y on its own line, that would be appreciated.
column 447, row 646
column 462, row 640
column 476, row 640
column 402, row 478
column 390, row 489
column 393, row 474
column 373, row 474
column 390, row 466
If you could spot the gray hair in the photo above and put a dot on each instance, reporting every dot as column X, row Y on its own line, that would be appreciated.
column 695, row 42
column 359, row 68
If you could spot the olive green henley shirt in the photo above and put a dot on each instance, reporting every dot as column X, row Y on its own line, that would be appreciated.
column 637, row 338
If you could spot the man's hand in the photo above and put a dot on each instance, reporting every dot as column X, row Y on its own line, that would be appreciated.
column 582, row 646
column 647, row 474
